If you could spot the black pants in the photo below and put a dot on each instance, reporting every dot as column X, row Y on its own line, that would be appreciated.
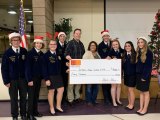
column 15, row 86
column 33, row 96
column 106, row 88
column 65, row 83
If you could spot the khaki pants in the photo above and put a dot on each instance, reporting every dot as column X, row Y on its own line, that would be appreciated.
column 70, row 93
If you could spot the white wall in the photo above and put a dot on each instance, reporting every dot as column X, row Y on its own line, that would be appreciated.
column 129, row 19
column 3, row 89
column 86, row 14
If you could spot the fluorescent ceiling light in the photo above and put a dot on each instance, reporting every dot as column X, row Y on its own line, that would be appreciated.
column 12, row 12
column 28, row 11
column 30, row 21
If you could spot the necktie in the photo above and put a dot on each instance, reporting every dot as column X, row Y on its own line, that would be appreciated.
column 54, row 54
column 17, row 51
column 39, row 53
column 129, row 55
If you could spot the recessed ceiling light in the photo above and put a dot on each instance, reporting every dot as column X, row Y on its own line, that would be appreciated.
column 30, row 21
column 28, row 11
column 12, row 12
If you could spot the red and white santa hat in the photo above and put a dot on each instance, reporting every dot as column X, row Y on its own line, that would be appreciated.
column 61, row 33
column 38, row 39
column 14, row 34
column 105, row 32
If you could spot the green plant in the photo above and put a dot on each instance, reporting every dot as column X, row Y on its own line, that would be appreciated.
column 64, row 25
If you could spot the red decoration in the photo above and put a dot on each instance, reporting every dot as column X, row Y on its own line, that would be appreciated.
column 153, row 33
column 48, row 35
column 156, row 18
column 56, row 35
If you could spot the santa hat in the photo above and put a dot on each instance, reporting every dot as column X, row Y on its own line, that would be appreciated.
column 14, row 34
column 144, row 38
column 38, row 39
column 61, row 33
column 105, row 32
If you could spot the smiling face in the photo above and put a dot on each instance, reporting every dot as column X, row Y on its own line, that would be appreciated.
column 128, row 47
column 38, row 45
column 141, row 43
column 15, row 41
column 115, row 45
column 93, row 47
column 77, row 35
column 53, row 45
column 62, row 38
column 106, row 38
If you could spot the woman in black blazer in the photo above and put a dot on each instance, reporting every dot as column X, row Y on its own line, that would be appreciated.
column 129, row 70
column 144, row 60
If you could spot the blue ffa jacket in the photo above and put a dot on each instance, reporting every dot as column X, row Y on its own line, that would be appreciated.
column 104, row 49
column 61, row 50
column 128, row 67
column 34, row 64
column 13, row 65
column 114, row 54
column 51, row 65
column 145, row 68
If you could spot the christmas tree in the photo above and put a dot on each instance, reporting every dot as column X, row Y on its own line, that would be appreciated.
column 154, row 44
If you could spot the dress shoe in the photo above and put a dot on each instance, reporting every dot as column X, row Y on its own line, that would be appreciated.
column 15, row 118
column 141, row 114
column 59, row 110
column 137, row 112
column 23, row 117
column 115, row 106
column 52, row 113
column 127, row 108
column 77, row 100
column 108, row 103
column 120, row 104
column 95, row 103
column 31, row 117
column 70, row 104
column 89, row 104
column 37, row 114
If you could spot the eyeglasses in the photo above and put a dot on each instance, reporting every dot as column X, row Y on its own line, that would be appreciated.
column 52, row 44
column 16, row 40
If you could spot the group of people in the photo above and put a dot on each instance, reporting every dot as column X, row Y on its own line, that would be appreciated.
column 23, row 71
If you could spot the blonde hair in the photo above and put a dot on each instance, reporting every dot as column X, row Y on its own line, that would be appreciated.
column 143, row 51
column 116, row 40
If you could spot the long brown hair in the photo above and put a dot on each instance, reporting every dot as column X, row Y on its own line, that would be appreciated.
column 133, row 52
column 143, row 51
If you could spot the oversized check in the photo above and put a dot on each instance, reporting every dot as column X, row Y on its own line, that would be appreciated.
column 95, row 71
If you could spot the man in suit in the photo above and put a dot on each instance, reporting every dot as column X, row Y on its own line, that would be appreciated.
column 103, row 50
column 13, row 74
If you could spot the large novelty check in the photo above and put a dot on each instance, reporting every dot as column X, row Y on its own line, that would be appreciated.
column 95, row 71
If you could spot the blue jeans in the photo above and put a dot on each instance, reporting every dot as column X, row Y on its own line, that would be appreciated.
column 91, row 93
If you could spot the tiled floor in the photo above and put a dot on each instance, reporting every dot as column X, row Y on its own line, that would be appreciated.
column 151, row 116
column 99, row 112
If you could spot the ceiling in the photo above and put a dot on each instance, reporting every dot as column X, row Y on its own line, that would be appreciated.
column 11, row 21
column 15, row 3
